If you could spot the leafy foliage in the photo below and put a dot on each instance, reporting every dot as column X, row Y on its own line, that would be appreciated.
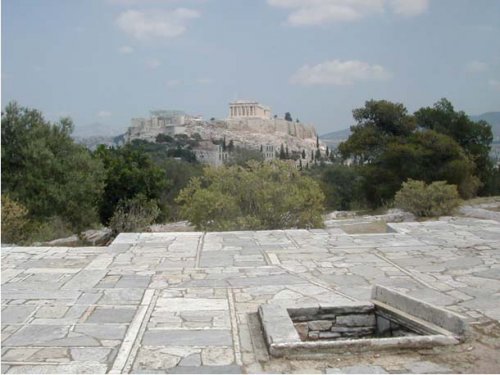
column 129, row 171
column 435, row 199
column 45, row 171
column 14, row 220
column 134, row 215
column 260, row 196
column 389, row 148
column 474, row 137
column 343, row 187
column 241, row 156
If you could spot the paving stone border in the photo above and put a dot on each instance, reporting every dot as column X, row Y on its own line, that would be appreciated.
column 434, row 325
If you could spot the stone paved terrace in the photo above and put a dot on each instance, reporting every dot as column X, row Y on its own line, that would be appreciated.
column 185, row 302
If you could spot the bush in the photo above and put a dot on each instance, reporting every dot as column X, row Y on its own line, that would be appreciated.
column 14, row 220
column 258, row 196
column 420, row 199
column 46, row 171
column 134, row 215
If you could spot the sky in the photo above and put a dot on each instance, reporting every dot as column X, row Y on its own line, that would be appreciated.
column 102, row 62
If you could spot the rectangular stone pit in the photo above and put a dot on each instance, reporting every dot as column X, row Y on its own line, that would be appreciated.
column 389, row 321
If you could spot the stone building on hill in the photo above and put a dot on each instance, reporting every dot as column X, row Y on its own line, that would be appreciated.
column 248, row 108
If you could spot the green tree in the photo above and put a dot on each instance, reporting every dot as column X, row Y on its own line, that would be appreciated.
column 134, row 215
column 303, row 154
column 259, row 196
column 288, row 117
column 282, row 152
column 46, row 171
column 474, row 137
column 378, row 122
column 317, row 155
column 343, row 187
column 241, row 156
column 435, row 199
column 388, row 146
column 14, row 220
column 129, row 171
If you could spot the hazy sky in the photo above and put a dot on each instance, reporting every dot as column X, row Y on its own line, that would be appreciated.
column 105, row 61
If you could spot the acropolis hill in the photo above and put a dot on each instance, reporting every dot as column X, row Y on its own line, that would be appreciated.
column 249, row 124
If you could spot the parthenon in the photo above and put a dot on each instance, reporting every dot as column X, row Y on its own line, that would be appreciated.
column 248, row 108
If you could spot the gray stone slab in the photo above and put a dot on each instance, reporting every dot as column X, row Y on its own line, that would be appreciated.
column 133, row 281
column 122, row 296
column 41, row 294
column 38, row 335
column 191, row 360
column 208, row 337
column 111, row 315
column 357, row 369
column 85, row 280
column 71, row 368
column 284, row 279
column 494, row 273
column 426, row 367
column 17, row 314
column 90, row 354
column 102, row 331
column 230, row 369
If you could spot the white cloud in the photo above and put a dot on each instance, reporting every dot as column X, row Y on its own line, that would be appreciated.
column 153, row 64
column 146, row 2
column 319, row 12
column 150, row 24
column 125, row 50
column 174, row 83
column 494, row 84
column 476, row 67
column 104, row 113
column 409, row 8
column 204, row 81
column 336, row 72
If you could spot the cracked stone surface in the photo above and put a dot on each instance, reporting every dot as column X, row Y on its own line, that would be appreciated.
column 185, row 301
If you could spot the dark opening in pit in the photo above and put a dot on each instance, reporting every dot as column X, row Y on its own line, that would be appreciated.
column 347, row 324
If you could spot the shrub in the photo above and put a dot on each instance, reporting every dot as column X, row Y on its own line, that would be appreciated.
column 435, row 199
column 14, row 220
column 134, row 215
column 258, row 196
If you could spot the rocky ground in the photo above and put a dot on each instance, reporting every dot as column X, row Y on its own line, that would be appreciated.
column 186, row 301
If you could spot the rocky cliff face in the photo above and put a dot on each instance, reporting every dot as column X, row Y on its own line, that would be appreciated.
column 245, row 132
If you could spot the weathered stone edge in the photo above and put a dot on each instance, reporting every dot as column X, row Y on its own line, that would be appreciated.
column 445, row 319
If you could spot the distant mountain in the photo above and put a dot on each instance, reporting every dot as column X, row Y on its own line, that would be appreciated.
column 334, row 138
column 493, row 118
column 93, row 141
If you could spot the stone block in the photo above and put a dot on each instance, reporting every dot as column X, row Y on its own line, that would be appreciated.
column 277, row 324
column 320, row 325
column 16, row 314
column 192, row 304
column 206, row 337
column 329, row 335
column 110, row 315
column 302, row 330
column 383, row 325
column 356, row 320
column 420, row 309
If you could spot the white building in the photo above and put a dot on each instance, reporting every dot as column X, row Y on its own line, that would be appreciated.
column 248, row 108
column 209, row 153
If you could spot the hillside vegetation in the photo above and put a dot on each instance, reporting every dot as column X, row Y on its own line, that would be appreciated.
column 52, row 187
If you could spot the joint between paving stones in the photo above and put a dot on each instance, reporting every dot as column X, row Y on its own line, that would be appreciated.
column 123, row 358
column 404, row 270
column 234, row 327
column 199, row 249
